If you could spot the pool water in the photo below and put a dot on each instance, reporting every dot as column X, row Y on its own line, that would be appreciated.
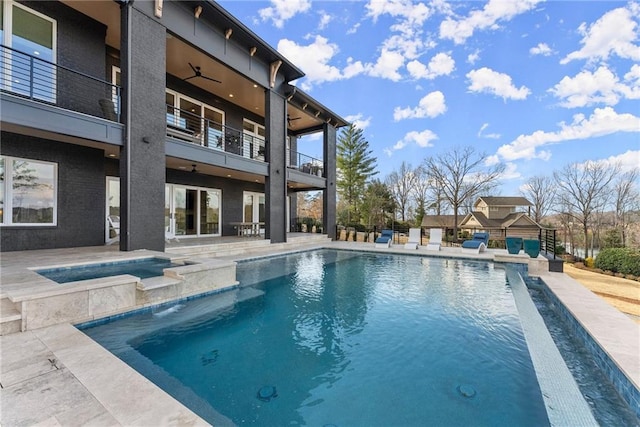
column 142, row 268
column 342, row 338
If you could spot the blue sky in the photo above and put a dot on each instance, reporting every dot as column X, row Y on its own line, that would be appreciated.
column 533, row 84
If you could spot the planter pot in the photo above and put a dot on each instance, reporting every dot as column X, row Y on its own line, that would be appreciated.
column 514, row 244
column 532, row 248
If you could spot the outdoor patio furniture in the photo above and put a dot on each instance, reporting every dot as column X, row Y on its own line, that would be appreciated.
column 514, row 244
column 478, row 243
column 384, row 241
column 414, row 238
column 435, row 239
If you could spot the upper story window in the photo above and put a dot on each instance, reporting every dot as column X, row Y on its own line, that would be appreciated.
column 28, row 192
column 253, row 136
column 28, row 68
column 193, row 120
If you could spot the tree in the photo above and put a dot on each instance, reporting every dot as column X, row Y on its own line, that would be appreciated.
column 584, row 190
column 401, row 183
column 356, row 166
column 461, row 174
column 378, row 201
column 627, row 200
column 541, row 191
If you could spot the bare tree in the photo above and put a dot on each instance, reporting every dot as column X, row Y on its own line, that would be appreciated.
column 584, row 188
column 627, row 199
column 460, row 174
column 401, row 184
column 541, row 191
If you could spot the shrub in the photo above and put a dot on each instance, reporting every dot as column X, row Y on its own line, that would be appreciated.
column 619, row 260
column 589, row 262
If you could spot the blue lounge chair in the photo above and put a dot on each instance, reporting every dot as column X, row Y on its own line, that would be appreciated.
column 384, row 241
column 478, row 243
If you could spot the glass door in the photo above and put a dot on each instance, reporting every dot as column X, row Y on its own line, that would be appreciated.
column 113, row 208
column 254, row 208
column 209, row 212
column 184, row 208
column 192, row 211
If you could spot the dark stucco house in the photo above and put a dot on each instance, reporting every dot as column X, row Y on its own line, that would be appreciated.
column 172, row 117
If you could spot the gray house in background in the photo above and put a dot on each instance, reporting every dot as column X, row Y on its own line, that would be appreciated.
column 172, row 116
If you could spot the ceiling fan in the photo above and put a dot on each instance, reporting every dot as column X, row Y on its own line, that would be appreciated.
column 193, row 170
column 289, row 119
column 198, row 73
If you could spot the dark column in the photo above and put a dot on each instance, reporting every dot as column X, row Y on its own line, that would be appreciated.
column 276, row 182
column 142, row 159
column 293, row 196
column 329, row 193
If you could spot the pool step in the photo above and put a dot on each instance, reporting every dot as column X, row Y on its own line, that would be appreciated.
column 10, row 317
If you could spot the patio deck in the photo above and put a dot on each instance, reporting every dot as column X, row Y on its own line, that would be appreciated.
column 56, row 375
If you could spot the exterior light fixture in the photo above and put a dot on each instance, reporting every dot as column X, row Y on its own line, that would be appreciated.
column 227, row 33
column 197, row 11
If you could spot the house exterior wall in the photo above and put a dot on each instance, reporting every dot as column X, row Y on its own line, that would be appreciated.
column 80, row 195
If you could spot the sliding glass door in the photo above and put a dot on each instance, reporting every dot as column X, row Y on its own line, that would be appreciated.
column 254, row 208
column 192, row 211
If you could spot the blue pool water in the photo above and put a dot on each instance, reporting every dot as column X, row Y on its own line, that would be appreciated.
column 142, row 268
column 346, row 339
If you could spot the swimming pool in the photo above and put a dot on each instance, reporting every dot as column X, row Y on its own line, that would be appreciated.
column 340, row 338
column 142, row 268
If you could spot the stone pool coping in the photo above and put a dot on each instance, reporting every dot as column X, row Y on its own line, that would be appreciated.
column 58, row 376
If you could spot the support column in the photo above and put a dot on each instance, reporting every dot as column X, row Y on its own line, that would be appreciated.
column 142, row 159
column 329, row 193
column 276, row 182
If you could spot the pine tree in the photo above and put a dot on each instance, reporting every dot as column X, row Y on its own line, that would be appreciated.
column 356, row 166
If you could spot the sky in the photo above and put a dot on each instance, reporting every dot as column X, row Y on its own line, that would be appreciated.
column 533, row 84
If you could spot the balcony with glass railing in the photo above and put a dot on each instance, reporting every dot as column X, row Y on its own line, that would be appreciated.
column 305, row 164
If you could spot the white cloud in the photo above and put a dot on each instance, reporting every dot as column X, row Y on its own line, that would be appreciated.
column 587, row 88
column 431, row 105
column 495, row 10
column 541, row 49
column 359, row 121
column 632, row 78
column 628, row 160
column 603, row 121
column 421, row 139
column 414, row 14
column 494, row 159
column 487, row 135
column 441, row 64
column 387, row 65
column 314, row 59
column 473, row 57
column 499, row 84
column 510, row 172
column 325, row 18
column 613, row 33
column 282, row 10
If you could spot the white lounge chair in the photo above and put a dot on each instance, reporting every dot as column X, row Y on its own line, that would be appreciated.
column 435, row 239
column 114, row 225
column 169, row 236
column 414, row 239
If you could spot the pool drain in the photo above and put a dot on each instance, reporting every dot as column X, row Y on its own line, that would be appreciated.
column 267, row 393
column 466, row 390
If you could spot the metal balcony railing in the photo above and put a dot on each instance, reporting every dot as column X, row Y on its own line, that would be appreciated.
column 304, row 163
column 31, row 77
column 189, row 127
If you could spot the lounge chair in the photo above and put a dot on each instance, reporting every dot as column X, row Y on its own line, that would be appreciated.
column 114, row 228
column 384, row 241
column 478, row 243
column 435, row 239
column 414, row 238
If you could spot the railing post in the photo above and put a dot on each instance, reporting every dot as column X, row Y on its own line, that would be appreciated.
column 31, row 84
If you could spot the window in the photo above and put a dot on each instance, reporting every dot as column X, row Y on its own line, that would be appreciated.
column 28, row 191
column 193, row 121
column 253, row 136
column 29, row 68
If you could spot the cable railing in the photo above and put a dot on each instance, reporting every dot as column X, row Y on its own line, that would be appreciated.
column 43, row 81
column 304, row 163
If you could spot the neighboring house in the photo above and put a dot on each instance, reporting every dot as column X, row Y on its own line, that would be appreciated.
column 173, row 116
column 500, row 216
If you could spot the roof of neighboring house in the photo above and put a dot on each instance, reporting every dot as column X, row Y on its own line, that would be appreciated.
column 439, row 221
column 503, row 201
column 510, row 220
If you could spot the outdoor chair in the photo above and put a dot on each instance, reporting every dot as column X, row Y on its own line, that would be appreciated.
column 435, row 239
column 414, row 238
column 114, row 227
column 384, row 241
column 478, row 243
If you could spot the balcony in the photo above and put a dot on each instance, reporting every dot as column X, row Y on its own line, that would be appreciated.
column 32, row 78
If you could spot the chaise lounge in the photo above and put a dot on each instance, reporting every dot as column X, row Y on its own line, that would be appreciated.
column 414, row 238
column 478, row 243
column 384, row 241
column 435, row 239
